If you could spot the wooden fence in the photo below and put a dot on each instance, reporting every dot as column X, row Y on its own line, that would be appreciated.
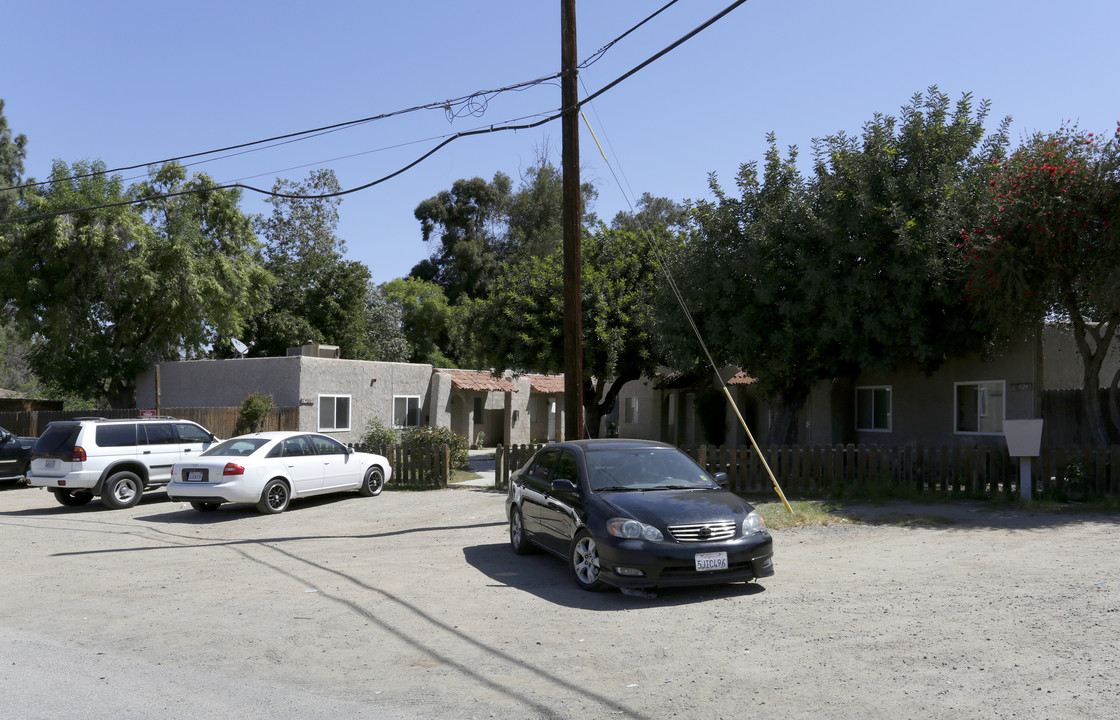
column 415, row 469
column 855, row 470
column 824, row 471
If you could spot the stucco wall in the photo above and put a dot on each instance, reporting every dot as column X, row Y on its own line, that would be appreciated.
column 923, row 407
column 371, row 387
column 1062, row 366
column 295, row 381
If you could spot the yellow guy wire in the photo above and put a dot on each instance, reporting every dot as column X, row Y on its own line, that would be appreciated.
column 696, row 330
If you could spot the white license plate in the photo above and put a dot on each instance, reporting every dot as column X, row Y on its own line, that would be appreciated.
column 195, row 476
column 706, row 562
column 52, row 464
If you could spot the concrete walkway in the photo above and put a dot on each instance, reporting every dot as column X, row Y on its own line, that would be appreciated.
column 481, row 462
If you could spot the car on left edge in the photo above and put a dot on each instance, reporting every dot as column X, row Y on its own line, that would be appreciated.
column 15, row 455
column 270, row 469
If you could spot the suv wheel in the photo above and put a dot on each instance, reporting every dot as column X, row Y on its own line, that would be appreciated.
column 72, row 498
column 122, row 490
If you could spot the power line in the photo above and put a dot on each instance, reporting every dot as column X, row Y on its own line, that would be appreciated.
column 405, row 168
column 473, row 105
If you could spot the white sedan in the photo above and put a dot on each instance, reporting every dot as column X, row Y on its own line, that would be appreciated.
column 271, row 468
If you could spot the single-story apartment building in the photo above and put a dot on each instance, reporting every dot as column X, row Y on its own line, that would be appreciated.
column 963, row 403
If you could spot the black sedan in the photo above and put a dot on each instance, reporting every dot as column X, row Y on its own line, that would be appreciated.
column 15, row 454
column 635, row 514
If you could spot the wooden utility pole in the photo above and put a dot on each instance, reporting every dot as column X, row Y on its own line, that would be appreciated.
column 573, row 309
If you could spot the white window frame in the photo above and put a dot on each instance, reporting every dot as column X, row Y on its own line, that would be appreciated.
column 984, row 408
column 890, row 408
column 406, row 398
column 334, row 413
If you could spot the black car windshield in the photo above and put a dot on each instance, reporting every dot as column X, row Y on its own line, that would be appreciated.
column 645, row 468
column 237, row 447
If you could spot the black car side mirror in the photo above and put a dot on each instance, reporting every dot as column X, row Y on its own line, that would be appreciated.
column 564, row 485
column 720, row 478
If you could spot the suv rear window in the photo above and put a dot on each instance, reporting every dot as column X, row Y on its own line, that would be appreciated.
column 57, row 439
column 121, row 435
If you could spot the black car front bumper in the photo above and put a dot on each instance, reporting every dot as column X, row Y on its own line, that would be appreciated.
column 643, row 564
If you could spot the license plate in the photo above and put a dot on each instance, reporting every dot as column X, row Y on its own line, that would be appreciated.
column 52, row 464
column 196, row 476
column 706, row 562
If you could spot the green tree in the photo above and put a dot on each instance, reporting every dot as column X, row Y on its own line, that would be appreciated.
column 426, row 319
column 105, row 292
column 15, row 361
column 751, row 280
column 13, row 149
column 386, row 339
column 469, row 221
column 520, row 324
column 318, row 296
column 853, row 269
column 483, row 226
column 1048, row 246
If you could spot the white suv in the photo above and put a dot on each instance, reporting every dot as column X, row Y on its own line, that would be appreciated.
column 116, row 459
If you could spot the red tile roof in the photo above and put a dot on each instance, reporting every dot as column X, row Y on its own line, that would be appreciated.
column 478, row 380
column 547, row 384
column 741, row 378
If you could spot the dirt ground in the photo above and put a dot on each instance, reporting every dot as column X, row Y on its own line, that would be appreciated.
column 411, row 605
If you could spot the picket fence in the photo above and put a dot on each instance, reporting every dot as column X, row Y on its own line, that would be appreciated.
column 415, row 468
column 854, row 470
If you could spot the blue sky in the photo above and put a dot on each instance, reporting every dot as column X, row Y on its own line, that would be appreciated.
column 137, row 82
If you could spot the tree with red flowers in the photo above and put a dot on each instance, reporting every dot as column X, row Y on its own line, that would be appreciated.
column 1050, row 249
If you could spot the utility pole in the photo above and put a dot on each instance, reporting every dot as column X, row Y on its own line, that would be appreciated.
column 573, row 309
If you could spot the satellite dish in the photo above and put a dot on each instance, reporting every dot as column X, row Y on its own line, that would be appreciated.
column 239, row 346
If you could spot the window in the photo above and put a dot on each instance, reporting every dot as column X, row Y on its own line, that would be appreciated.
column 327, row 446
column 298, row 446
column 191, row 433
column 542, row 464
column 406, row 411
column 334, row 412
column 979, row 407
column 158, row 434
column 873, row 409
column 116, row 435
column 478, row 411
column 630, row 411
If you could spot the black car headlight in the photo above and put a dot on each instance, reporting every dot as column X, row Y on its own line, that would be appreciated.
column 753, row 523
column 633, row 530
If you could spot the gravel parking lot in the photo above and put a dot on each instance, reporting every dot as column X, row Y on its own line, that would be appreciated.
column 411, row 605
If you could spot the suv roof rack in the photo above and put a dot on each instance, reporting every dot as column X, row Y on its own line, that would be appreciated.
column 94, row 418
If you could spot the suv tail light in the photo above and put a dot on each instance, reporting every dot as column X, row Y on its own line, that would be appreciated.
column 79, row 454
column 233, row 469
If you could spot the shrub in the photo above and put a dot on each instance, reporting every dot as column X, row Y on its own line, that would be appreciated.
column 379, row 436
column 254, row 411
column 429, row 438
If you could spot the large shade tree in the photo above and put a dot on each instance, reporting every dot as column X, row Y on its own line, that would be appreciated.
column 477, row 228
column 802, row 280
column 106, row 291
column 13, row 149
column 427, row 320
column 319, row 295
column 1048, row 248
column 520, row 324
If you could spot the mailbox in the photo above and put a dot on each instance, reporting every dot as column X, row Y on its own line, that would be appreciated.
column 1024, row 441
